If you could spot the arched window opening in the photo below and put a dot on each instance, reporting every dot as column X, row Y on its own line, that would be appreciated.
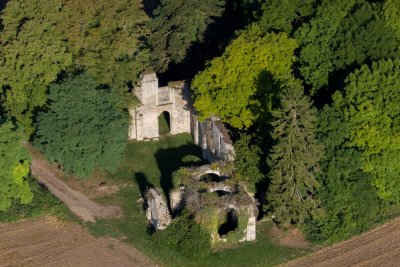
column 164, row 123
column 231, row 223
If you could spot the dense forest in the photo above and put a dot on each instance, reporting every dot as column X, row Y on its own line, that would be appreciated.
column 309, row 89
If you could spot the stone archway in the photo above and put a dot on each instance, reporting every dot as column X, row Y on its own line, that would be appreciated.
column 164, row 123
column 230, row 224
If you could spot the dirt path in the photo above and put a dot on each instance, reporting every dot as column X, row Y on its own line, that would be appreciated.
column 378, row 247
column 77, row 202
column 49, row 242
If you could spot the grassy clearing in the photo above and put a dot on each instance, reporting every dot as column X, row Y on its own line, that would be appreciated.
column 152, row 163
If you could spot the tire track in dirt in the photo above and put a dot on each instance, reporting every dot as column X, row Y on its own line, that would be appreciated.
column 47, row 242
column 76, row 201
column 378, row 247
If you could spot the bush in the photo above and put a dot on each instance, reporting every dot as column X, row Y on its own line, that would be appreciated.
column 185, row 237
column 43, row 202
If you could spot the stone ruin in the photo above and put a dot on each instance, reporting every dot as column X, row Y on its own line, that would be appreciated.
column 220, row 205
column 210, row 193
column 175, row 101
column 157, row 210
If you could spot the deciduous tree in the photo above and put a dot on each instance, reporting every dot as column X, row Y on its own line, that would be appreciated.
column 82, row 127
column 176, row 25
column 14, row 167
column 228, row 86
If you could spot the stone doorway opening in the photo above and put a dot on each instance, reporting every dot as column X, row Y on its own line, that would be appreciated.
column 164, row 123
column 231, row 223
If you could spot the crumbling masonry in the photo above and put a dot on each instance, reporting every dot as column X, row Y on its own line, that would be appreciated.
column 221, row 201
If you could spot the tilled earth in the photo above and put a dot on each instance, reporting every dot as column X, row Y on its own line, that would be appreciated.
column 378, row 247
column 49, row 242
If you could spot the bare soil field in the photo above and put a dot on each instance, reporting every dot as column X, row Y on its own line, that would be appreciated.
column 49, row 242
column 378, row 247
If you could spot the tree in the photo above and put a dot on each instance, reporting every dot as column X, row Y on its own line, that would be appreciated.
column 369, row 104
column 350, row 201
column 294, row 158
column 32, row 54
column 106, row 39
column 281, row 15
column 82, row 128
column 42, row 39
column 344, row 34
column 228, row 86
column 247, row 161
column 176, row 25
column 14, row 167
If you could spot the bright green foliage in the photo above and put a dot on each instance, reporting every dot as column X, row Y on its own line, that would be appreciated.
column 176, row 25
column 31, row 56
column 391, row 15
column 14, row 167
column 227, row 87
column 104, row 37
column 350, row 202
column 82, row 128
column 370, row 105
column 247, row 161
column 294, row 158
column 185, row 236
column 282, row 14
column 343, row 33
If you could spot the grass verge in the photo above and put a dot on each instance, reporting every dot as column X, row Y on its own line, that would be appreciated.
column 152, row 164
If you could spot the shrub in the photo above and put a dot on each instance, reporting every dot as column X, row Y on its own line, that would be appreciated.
column 184, row 236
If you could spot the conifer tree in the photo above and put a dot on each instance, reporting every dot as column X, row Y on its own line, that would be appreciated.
column 293, row 160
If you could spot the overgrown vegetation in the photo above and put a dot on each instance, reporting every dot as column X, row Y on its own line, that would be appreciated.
column 343, row 54
column 42, row 203
column 144, row 164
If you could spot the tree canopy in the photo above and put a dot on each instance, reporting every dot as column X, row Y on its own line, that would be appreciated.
column 176, row 25
column 14, row 167
column 294, row 158
column 343, row 34
column 369, row 104
column 228, row 86
column 82, row 127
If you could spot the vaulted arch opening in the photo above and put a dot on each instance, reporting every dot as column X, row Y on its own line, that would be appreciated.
column 164, row 123
column 230, row 224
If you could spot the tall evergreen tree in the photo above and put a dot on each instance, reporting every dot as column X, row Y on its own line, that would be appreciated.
column 294, row 158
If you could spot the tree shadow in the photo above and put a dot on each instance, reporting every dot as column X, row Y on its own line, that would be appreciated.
column 171, row 159
column 143, row 184
column 149, row 6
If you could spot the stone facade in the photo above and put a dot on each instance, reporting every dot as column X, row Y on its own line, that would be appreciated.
column 154, row 101
column 210, row 135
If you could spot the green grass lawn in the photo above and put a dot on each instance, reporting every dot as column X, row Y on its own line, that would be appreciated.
column 152, row 163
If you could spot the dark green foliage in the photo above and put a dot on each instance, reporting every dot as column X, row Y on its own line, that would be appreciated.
column 176, row 25
column 247, row 161
column 294, row 159
column 82, row 128
column 186, row 237
column 281, row 15
column 343, row 34
column 369, row 108
column 350, row 202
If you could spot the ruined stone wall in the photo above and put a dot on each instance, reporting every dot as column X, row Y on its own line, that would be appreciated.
column 210, row 135
column 213, row 138
column 154, row 101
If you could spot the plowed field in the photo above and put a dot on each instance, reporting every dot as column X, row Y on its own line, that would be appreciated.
column 378, row 247
column 49, row 242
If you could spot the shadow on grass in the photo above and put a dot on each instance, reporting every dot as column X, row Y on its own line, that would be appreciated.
column 144, row 185
column 171, row 159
